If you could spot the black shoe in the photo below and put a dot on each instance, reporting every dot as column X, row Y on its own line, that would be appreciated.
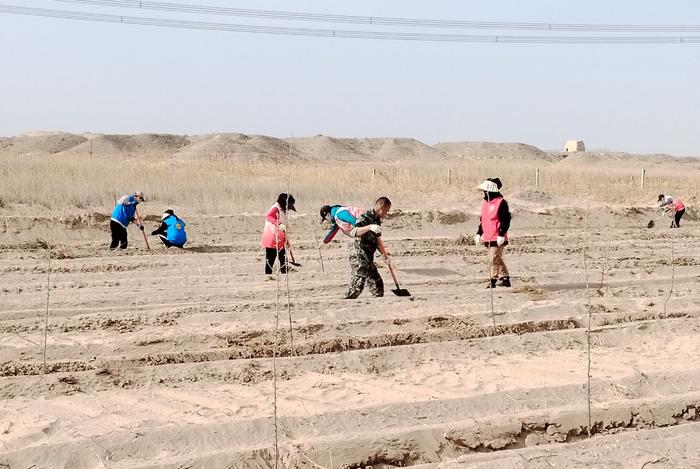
column 505, row 281
column 492, row 283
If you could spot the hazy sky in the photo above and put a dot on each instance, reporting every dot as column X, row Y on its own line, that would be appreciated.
column 79, row 77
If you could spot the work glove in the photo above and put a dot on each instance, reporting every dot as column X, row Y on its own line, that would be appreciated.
column 500, row 240
column 376, row 229
column 282, row 227
column 477, row 239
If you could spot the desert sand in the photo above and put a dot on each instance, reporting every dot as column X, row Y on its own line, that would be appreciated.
column 164, row 358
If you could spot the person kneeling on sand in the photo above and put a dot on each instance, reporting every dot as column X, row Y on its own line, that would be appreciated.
column 367, row 232
column 124, row 213
column 674, row 206
column 341, row 218
column 172, row 230
column 494, row 223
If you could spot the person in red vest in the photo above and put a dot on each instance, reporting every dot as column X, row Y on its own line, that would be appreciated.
column 274, row 236
column 494, row 224
column 669, row 204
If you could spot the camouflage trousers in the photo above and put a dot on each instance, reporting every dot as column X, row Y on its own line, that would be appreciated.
column 363, row 270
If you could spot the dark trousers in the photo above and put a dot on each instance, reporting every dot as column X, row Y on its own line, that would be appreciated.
column 270, row 255
column 119, row 235
column 677, row 219
column 168, row 244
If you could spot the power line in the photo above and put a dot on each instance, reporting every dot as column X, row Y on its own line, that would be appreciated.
column 387, row 21
column 349, row 34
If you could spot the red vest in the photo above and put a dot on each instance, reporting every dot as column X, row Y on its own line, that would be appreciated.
column 272, row 236
column 489, row 219
column 678, row 205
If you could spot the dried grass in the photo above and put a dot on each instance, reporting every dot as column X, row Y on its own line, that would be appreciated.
column 215, row 187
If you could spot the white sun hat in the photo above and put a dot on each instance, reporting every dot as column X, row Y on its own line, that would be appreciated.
column 488, row 186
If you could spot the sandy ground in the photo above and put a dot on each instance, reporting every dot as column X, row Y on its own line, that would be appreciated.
column 164, row 358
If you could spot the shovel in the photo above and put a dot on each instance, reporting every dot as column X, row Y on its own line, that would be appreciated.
column 399, row 291
column 291, row 258
column 139, row 220
column 653, row 222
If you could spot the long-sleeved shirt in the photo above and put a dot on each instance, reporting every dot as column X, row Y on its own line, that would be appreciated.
column 343, row 218
column 125, row 210
column 368, row 241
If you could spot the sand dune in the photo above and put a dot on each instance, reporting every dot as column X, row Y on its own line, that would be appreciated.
column 617, row 159
column 241, row 147
column 497, row 151
column 252, row 148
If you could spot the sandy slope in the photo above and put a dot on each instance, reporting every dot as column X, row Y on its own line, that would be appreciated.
column 260, row 148
column 163, row 358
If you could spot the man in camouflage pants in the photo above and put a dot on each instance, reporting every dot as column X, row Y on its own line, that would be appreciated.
column 366, row 232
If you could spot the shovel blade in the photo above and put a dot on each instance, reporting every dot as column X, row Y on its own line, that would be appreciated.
column 295, row 264
column 401, row 292
column 650, row 224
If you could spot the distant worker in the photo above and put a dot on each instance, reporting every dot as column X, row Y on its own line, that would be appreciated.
column 494, row 224
column 341, row 218
column 367, row 232
column 172, row 230
column 274, row 237
column 123, row 214
column 673, row 207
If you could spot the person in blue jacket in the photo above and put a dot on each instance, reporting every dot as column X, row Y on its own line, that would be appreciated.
column 123, row 214
column 172, row 230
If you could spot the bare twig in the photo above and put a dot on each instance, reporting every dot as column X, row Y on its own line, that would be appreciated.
column 490, row 266
column 274, row 348
column 48, row 298
column 588, row 325
column 318, row 246
column 605, row 267
column 315, row 464
column 673, row 277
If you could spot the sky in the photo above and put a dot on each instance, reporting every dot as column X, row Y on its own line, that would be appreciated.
column 110, row 78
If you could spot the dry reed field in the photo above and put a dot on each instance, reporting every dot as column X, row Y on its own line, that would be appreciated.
column 184, row 359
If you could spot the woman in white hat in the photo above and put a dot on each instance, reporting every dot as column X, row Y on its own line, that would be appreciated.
column 171, row 230
column 494, row 223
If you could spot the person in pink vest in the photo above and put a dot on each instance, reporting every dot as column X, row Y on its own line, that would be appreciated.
column 669, row 204
column 274, row 236
column 340, row 218
column 494, row 224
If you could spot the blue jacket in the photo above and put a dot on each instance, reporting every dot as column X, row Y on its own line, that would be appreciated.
column 339, row 217
column 125, row 210
column 175, row 232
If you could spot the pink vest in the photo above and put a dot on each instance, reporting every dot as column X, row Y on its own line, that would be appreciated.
column 272, row 237
column 489, row 219
column 344, row 226
column 678, row 206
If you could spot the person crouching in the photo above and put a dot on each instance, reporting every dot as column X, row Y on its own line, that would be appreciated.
column 172, row 230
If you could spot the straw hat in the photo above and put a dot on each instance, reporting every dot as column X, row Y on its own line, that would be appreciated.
column 488, row 186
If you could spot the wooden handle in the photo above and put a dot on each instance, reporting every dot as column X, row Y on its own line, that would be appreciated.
column 380, row 245
column 140, row 222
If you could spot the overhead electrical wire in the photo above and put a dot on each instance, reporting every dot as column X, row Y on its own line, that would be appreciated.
column 337, row 33
column 387, row 21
